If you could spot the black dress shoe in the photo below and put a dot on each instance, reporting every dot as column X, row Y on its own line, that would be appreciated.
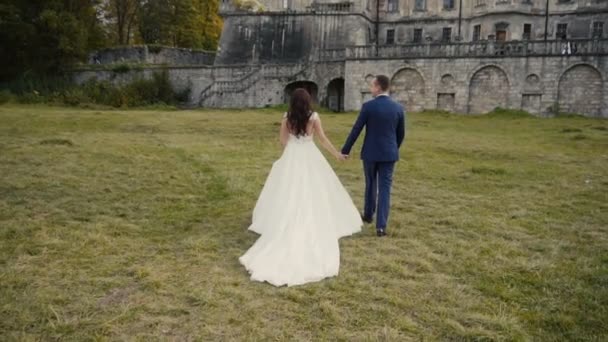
column 381, row 232
column 365, row 219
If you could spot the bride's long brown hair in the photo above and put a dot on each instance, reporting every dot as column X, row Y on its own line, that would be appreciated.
column 300, row 110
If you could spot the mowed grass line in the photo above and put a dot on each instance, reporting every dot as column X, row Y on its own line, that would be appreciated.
column 120, row 225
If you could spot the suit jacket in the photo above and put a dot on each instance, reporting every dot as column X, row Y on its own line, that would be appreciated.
column 384, row 122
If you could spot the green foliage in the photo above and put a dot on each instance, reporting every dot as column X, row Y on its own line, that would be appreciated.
column 249, row 5
column 513, row 113
column 46, row 36
column 155, row 48
column 140, row 92
column 121, row 68
column 38, row 83
column 122, row 19
column 6, row 96
column 181, row 23
column 145, row 92
column 31, row 98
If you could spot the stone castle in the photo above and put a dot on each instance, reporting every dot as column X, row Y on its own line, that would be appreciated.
column 467, row 56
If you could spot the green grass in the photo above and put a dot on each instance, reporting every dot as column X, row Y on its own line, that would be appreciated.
column 121, row 225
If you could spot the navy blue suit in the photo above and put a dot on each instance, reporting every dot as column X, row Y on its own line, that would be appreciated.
column 384, row 122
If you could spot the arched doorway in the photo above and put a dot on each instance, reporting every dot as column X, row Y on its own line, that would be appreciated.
column 488, row 89
column 580, row 91
column 335, row 95
column 311, row 87
column 407, row 88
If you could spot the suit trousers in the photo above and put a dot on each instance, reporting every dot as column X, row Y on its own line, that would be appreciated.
column 378, row 181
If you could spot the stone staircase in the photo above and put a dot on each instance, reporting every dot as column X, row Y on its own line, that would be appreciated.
column 247, row 81
column 235, row 86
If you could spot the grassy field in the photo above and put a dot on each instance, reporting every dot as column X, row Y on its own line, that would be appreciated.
column 122, row 225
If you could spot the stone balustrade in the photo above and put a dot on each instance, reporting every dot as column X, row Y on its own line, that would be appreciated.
column 471, row 49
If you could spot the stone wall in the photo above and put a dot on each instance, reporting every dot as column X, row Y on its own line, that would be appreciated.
column 287, row 37
column 478, row 85
column 539, row 85
column 580, row 90
column 315, row 24
column 152, row 55
column 194, row 79
column 579, row 26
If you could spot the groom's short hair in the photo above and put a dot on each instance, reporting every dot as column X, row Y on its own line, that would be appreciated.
column 383, row 82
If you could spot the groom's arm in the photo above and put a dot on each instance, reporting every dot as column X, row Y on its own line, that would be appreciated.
column 354, row 133
column 401, row 128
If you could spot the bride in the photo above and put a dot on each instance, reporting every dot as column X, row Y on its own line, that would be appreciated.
column 303, row 208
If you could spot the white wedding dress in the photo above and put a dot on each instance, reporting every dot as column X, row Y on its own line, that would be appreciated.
column 301, row 213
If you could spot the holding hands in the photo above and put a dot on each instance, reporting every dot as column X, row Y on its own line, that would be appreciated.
column 342, row 157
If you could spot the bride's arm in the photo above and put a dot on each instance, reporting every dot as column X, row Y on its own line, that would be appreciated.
column 284, row 132
column 324, row 141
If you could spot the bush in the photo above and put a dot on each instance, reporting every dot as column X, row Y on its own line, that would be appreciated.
column 509, row 113
column 6, row 96
column 155, row 48
column 30, row 83
column 75, row 97
column 140, row 92
column 31, row 98
column 162, row 84
column 121, row 68
column 249, row 5
column 149, row 91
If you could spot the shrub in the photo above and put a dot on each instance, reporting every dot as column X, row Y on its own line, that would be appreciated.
column 143, row 92
column 155, row 48
column 121, row 68
column 6, row 96
column 512, row 113
column 140, row 92
column 162, row 84
column 249, row 5
column 31, row 97
column 41, row 84
column 103, row 92
column 75, row 97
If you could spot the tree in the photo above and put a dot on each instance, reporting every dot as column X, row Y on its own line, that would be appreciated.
column 181, row 23
column 211, row 23
column 122, row 14
column 155, row 22
column 44, row 36
column 185, row 24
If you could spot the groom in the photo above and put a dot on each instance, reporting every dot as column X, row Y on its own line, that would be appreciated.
column 384, row 120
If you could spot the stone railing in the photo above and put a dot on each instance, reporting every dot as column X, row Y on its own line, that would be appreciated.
column 284, row 70
column 231, row 72
column 345, row 6
column 332, row 54
column 295, row 6
column 255, row 74
column 470, row 49
column 241, row 84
